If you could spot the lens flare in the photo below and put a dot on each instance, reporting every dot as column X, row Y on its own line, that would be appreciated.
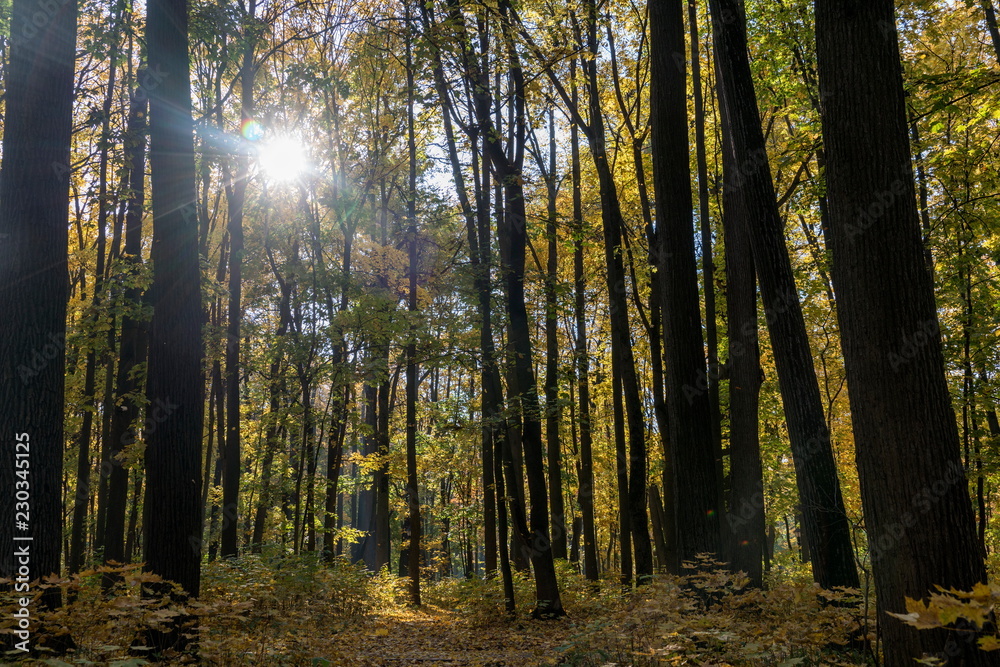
column 252, row 130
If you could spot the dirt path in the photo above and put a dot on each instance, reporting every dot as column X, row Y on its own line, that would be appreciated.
column 439, row 637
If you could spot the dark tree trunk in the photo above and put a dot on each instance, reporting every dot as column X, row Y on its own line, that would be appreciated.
column 906, row 437
column 745, row 514
column 621, row 477
column 623, row 361
column 84, row 467
column 478, row 237
column 824, row 519
column 586, row 481
column 125, row 426
column 552, row 410
column 218, row 396
column 659, row 536
column 991, row 25
column 533, row 537
column 693, row 460
column 34, row 284
column 383, row 539
column 271, row 439
column 172, row 525
column 236, row 191
column 412, row 370
column 364, row 519
column 707, row 265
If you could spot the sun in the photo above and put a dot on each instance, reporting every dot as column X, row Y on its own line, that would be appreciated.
column 282, row 158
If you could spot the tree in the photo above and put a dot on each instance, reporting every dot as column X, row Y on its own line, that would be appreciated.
column 412, row 369
column 132, row 349
column 174, row 389
column 507, row 162
column 582, row 355
column 236, row 189
column 745, row 514
column 921, row 530
column 827, row 531
column 104, row 204
column 696, row 494
column 34, row 282
column 991, row 25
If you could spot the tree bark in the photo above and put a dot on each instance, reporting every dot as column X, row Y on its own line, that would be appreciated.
column 824, row 520
column 552, row 409
column 132, row 349
column 174, row 388
column 623, row 360
column 921, row 529
column 84, row 468
column 745, row 515
column 412, row 370
column 174, row 385
column 582, row 354
column 696, row 493
column 707, row 265
column 236, row 191
column 34, row 282
column 991, row 24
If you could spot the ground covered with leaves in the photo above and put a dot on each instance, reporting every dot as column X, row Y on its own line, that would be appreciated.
column 285, row 611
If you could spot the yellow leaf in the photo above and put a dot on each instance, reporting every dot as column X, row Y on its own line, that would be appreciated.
column 989, row 643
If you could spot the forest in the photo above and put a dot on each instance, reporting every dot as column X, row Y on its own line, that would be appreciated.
column 499, row 332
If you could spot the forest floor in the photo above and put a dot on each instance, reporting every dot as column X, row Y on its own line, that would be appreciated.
column 434, row 636
column 290, row 612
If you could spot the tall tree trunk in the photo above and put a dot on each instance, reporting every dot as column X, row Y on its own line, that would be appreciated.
column 383, row 540
column 334, row 462
column 236, row 197
column 623, row 361
column 552, row 410
column 905, row 432
column 696, row 493
column 707, row 265
column 745, row 514
column 172, row 525
column 275, row 391
column 364, row 550
column 586, row 481
column 621, row 476
column 412, row 379
column 657, row 520
column 132, row 349
column 478, row 237
column 83, row 483
column 534, row 536
column 34, row 284
column 824, row 520
column 991, row 25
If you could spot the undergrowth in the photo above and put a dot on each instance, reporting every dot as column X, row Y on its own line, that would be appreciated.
column 284, row 610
